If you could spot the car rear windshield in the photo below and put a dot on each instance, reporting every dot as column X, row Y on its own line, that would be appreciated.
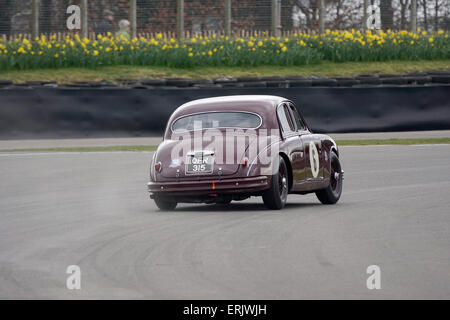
column 213, row 120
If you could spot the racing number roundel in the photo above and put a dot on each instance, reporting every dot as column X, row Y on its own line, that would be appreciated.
column 314, row 159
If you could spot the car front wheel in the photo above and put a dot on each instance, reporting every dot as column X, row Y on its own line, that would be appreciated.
column 276, row 196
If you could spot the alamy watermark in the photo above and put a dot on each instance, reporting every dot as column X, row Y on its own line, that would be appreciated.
column 373, row 17
column 74, row 20
column 257, row 147
column 73, row 281
column 374, row 280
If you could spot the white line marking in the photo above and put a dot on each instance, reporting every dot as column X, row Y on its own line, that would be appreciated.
column 12, row 154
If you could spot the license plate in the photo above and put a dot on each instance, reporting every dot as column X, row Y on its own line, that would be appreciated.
column 199, row 164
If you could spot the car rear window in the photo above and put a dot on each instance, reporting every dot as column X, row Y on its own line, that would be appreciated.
column 213, row 120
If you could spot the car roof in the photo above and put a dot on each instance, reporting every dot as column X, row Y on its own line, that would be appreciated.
column 239, row 103
column 263, row 105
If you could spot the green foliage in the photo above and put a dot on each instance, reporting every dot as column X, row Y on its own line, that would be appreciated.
column 218, row 51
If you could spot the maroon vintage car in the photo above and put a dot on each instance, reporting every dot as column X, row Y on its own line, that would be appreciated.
column 221, row 149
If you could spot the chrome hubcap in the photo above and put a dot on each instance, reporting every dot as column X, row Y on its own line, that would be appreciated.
column 284, row 181
column 283, row 184
column 337, row 175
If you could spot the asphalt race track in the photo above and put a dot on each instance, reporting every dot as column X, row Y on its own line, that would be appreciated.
column 92, row 210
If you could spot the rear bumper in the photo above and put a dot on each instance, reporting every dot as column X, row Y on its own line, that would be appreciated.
column 205, row 187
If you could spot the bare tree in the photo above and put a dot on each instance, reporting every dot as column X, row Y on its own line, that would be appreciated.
column 337, row 22
column 306, row 7
column 425, row 14
column 436, row 15
column 339, row 14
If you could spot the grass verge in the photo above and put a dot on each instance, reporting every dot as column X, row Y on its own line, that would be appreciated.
column 368, row 142
column 373, row 142
column 87, row 149
column 325, row 69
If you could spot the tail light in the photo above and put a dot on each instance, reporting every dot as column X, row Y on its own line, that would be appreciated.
column 158, row 167
column 244, row 162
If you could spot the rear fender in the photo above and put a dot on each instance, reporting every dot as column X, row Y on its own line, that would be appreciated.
column 266, row 162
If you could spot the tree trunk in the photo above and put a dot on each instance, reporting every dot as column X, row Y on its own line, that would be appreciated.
column 338, row 14
column 436, row 16
column 403, row 8
column 425, row 14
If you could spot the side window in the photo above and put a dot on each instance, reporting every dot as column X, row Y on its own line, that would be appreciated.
column 297, row 119
column 285, row 119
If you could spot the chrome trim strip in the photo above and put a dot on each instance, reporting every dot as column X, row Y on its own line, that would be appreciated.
column 222, row 111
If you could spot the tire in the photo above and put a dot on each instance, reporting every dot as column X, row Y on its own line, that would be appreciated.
column 276, row 196
column 165, row 204
column 332, row 193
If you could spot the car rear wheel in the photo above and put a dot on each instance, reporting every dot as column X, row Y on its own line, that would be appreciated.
column 276, row 196
column 165, row 204
column 332, row 193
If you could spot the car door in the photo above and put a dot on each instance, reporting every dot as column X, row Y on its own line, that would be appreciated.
column 293, row 146
column 312, row 150
column 299, row 156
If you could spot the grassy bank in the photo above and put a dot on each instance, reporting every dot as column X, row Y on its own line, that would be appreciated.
column 371, row 142
column 299, row 49
column 86, row 149
column 153, row 148
column 326, row 69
